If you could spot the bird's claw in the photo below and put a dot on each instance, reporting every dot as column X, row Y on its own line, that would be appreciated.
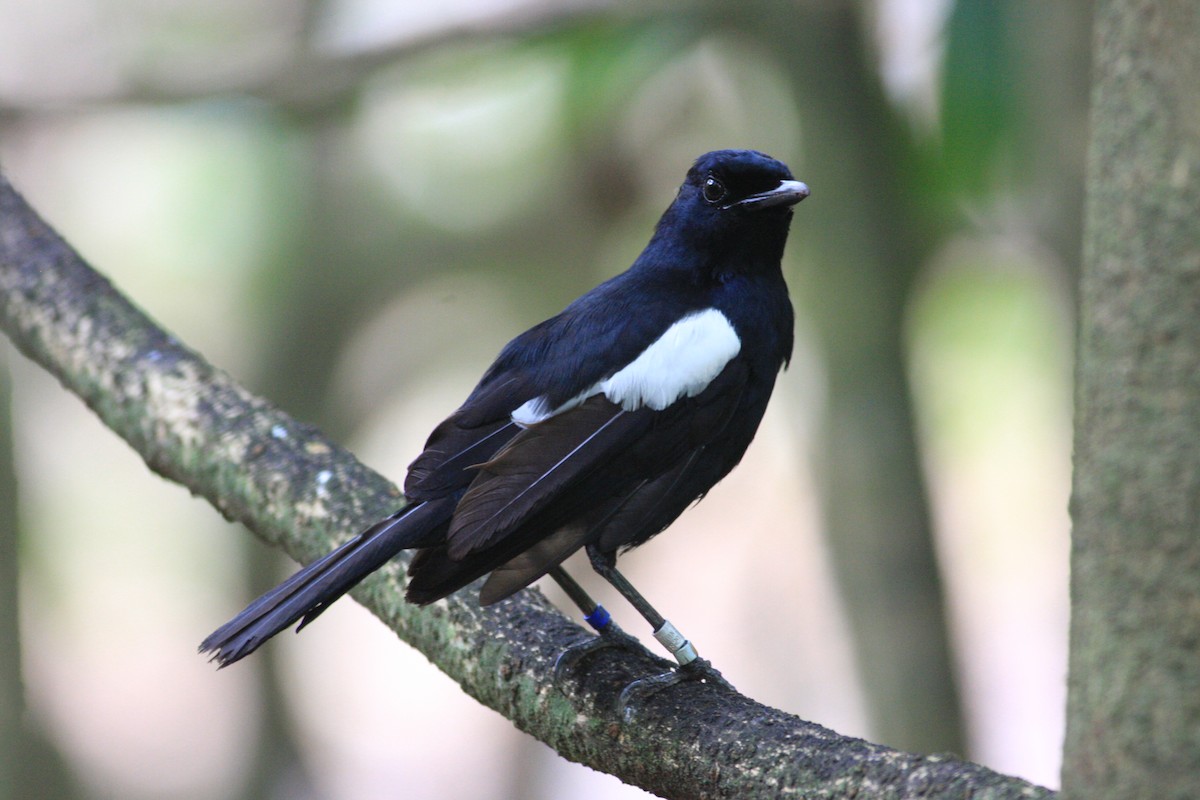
column 703, row 670
column 611, row 636
column 700, row 669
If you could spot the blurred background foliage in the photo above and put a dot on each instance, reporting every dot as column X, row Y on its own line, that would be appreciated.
column 351, row 204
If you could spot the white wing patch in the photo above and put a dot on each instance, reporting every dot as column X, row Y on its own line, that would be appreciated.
column 538, row 409
column 681, row 362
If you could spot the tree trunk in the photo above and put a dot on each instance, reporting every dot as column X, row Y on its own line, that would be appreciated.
column 872, row 233
column 31, row 768
column 1133, row 726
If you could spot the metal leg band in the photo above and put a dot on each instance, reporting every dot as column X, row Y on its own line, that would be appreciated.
column 670, row 637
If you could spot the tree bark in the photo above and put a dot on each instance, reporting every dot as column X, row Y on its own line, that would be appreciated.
column 1133, row 726
column 295, row 488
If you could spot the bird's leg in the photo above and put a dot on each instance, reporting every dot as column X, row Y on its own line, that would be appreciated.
column 691, row 666
column 594, row 614
column 610, row 635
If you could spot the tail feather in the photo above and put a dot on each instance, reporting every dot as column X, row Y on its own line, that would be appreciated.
column 310, row 591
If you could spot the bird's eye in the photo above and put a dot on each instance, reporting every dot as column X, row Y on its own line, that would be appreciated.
column 714, row 191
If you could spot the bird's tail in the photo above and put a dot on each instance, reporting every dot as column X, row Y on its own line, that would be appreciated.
column 313, row 589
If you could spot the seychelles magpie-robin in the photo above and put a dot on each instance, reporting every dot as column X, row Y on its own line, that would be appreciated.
column 594, row 429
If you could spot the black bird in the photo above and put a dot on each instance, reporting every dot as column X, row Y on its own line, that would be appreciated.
column 594, row 429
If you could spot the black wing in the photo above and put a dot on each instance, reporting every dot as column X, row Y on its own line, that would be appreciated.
column 593, row 471
column 556, row 360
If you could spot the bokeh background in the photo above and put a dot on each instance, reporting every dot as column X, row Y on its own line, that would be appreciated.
column 351, row 204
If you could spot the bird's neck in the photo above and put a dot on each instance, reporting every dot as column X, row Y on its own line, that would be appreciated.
column 708, row 258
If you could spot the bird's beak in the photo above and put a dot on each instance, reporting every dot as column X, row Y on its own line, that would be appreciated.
column 787, row 193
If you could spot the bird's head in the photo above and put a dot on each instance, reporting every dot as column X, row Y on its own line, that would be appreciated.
column 744, row 182
column 733, row 200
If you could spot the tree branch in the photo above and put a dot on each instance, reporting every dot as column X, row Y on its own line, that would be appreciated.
column 293, row 487
column 311, row 79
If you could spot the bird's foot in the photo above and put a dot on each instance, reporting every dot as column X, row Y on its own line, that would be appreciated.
column 608, row 636
column 698, row 669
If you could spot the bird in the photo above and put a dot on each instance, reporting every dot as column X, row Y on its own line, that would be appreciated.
column 594, row 429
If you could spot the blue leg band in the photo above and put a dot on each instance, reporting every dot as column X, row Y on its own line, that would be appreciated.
column 599, row 619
